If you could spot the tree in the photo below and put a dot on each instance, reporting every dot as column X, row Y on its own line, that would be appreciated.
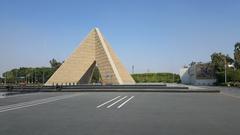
column 218, row 60
column 192, row 63
column 31, row 75
column 1, row 80
column 55, row 64
column 237, row 55
column 229, row 60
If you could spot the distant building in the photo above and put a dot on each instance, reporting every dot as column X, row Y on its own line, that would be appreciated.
column 184, row 76
column 198, row 74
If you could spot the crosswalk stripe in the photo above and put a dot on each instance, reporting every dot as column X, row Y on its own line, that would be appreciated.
column 107, row 102
column 116, row 102
column 35, row 102
column 125, row 102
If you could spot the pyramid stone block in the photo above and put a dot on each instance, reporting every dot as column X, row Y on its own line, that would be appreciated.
column 93, row 51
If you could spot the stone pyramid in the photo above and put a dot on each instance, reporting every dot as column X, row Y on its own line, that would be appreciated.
column 79, row 66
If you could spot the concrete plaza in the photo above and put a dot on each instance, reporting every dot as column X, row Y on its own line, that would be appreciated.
column 130, row 113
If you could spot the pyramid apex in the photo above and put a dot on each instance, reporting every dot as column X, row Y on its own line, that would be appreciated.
column 96, row 28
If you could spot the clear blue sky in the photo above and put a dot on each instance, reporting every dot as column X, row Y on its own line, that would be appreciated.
column 161, row 36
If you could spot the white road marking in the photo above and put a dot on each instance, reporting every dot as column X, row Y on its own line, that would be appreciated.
column 22, row 94
column 233, row 96
column 34, row 103
column 116, row 102
column 107, row 102
column 125, row 102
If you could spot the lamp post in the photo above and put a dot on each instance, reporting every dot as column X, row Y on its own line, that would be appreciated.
column 173, row 78
column 132, row 69
column 26, row 79
column 35, row 77
column 5, row 79
column 16, row 78
column 43, row 78
column 32, row 77
column 225, row 72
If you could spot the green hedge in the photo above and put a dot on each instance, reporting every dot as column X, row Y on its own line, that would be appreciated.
column 31, row 74
column 156, row 77
column 232, row 76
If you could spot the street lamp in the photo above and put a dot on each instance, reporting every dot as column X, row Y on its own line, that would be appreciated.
column 132, row 69
column 16, row 77
column 43, row 78
column 225, row 61
column 6, row 79
column 173, row 77
column 35, row 76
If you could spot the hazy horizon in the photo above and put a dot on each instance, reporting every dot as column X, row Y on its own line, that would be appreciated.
column 159, row 36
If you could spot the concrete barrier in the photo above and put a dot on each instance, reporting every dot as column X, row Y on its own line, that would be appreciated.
column 109, row 88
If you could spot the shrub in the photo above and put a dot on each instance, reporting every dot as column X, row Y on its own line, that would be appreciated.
column 232, row 76
column 155, row 77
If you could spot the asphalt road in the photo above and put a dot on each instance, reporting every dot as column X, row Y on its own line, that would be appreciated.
column 106, row 113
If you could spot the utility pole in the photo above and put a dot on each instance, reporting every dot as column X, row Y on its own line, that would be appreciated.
column 132, row 69
column 43, row 78
column 35, row 77
column 32, row 77
column 173, row 78
column 6, row 79
column 26, row 79
column 16, row 77
column 147, row 74
column 225, row 61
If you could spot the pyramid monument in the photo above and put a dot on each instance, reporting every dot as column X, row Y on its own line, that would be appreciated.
column 93, row 52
